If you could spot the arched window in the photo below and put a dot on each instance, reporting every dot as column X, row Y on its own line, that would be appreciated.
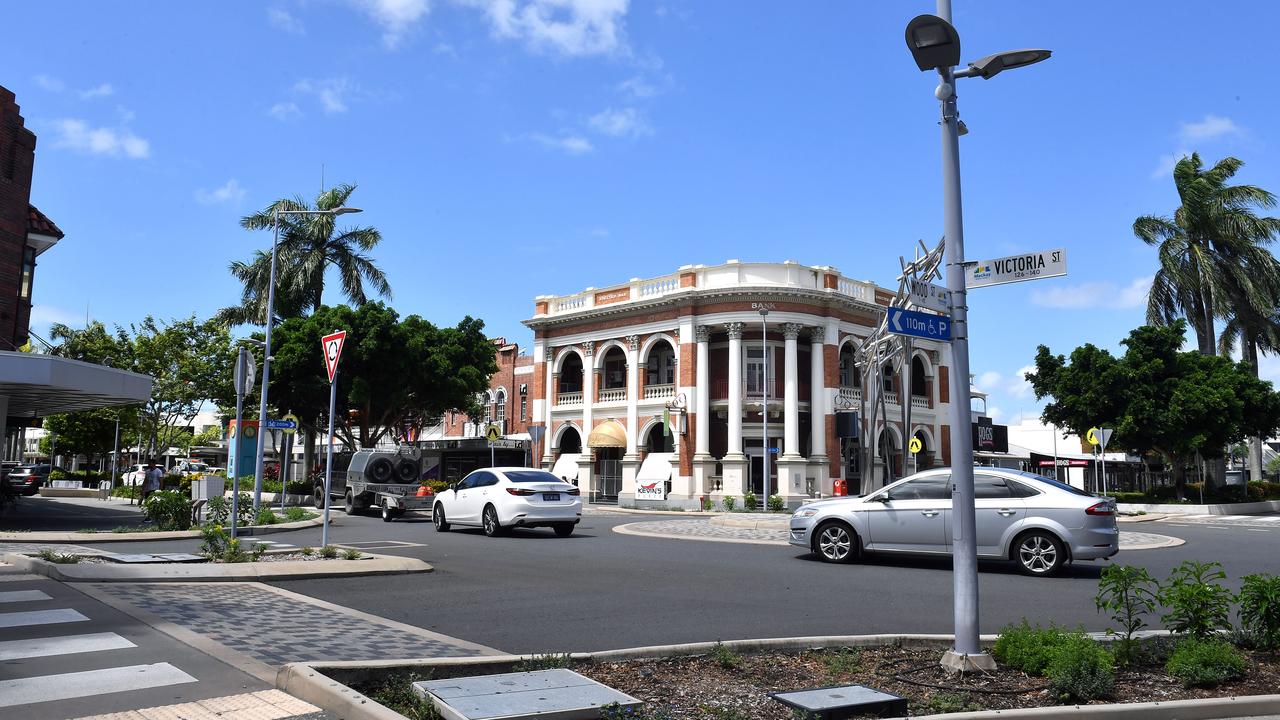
column 500, row 407
column 661, row 366
column 849, row 375
column 918, row 382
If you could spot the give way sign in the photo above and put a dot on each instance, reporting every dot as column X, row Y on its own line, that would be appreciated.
column 332, row 347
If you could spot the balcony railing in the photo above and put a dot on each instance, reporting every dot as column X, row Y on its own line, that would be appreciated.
column 850, row 395
column 659, row 392
column 569, row 398
column 613, row 395
column 891, row 397
column 920, row 402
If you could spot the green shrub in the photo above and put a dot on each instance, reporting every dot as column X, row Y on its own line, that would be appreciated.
column 1029, row 649
column 297, row 514
column 215, row 541
column 169, row 510
column 1198, row 604
column 257, row 550
column 775, row 503
column 307, row 551
column 1205, row 663
column 1164, row 493
column 707, row 504
column 218, row 510
column 844, row 661
column 351, row 554
column 1081, row 670
column 328, row 552
column 749, row 501
column 1127, row 593
column 725, row 657
column 57, row 475
column 127, row 491
column 1130, row 497
column 550, row 661
column 1260, row 609
column 265, row 516
column 949, row 702
column 728, row 503
column 53, row 556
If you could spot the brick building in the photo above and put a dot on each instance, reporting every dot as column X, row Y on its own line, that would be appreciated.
column 33, row 385
column 507, row 403
column 25, row 232
column 675, row 388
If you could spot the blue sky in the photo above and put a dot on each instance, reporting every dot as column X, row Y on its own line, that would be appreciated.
column 511, row 148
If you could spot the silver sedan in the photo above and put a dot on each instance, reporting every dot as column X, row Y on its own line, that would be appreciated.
column 1039, row 523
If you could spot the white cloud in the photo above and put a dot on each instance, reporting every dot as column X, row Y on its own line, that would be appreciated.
column 569, row 27
column 627, row 122
column 103, row 90
column 1018, row 385
column 988, row 381
column 282, row 19
column 229, row 192
column 42, row 315
column 77, row 135
column 333, row 93
column 52, row 84
column 571, row 144
column 1093, row 295
column 1164, row 165
column 995, row 413
column 1211, row 127
column 397, row 17
column 642, row 87
column 283, row 111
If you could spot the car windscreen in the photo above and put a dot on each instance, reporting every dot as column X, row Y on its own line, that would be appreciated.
column 1055, row 483
column 532, row 476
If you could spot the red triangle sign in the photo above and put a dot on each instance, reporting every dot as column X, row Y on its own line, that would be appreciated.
column 332, row 348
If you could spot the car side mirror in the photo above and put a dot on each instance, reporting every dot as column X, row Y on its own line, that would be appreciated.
column 882, row 498
column 453, row 487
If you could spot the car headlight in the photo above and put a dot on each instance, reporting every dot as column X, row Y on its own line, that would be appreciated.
column 804, row 513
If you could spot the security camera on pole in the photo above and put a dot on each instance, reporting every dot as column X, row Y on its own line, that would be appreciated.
column 331, row 346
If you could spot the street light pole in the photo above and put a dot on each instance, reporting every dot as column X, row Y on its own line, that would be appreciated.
column 266, row 358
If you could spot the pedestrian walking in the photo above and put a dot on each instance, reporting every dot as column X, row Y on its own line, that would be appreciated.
column 151, row 481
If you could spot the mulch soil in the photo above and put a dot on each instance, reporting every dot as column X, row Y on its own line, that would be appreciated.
column 702, row 687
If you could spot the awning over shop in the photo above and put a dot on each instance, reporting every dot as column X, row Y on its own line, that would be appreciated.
column 566, row 467
column 608, row 435
column 657, row 466
column 41, row 385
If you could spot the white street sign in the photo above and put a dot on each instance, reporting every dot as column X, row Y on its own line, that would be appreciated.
column 927, row 295
column 1016, row 268
column 246, row 371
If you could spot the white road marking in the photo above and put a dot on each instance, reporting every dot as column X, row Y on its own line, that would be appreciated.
column 46, row 688
column 23, row 596
column 1219, row 527
column 40, row 617
column 67, row 645
column 1258, row 529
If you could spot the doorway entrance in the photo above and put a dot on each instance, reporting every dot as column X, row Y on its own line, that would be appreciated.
column 608, row 475
column 756, row 467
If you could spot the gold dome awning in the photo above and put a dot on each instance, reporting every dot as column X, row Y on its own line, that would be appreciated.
column 608, row 435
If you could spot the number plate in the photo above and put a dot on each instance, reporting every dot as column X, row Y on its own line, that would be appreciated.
column 550, row 496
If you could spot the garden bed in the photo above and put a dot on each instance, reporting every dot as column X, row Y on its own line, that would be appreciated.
column 725, row 685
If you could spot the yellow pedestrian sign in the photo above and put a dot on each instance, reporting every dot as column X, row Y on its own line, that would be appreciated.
column 1092, row 436
column 915, row 445
column 493, row 433
column 293, row 428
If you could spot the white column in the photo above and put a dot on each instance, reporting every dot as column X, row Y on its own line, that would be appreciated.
column 735, row 389
column 549, row 390
column 633, row 393
column 588, row 391
column 702, row 403
column 817, row 394
column 791, row 393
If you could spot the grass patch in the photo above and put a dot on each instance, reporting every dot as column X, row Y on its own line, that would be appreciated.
column 844, row 661
column 550, row 661
column 53, row 556
column 725, row 657
column 396, row 693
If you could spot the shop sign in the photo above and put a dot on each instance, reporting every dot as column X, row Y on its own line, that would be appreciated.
column 604, row 297
column 652, row 490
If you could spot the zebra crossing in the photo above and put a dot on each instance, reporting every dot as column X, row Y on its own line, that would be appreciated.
column 1258, row 522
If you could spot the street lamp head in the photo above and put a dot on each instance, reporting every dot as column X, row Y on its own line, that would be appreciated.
column 763, row 312
column 933, row 42
column 344, row 210
column 992, row 65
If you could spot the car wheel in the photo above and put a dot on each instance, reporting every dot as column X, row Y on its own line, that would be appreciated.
column 318, row 497
column 563, row 529
column 1039, row 553
column 437, row 517
column 836, row 543
column 388, row 514
column 349, row 503
column 492, row 527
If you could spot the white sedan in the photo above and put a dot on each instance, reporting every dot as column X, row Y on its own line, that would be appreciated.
column 498, row 499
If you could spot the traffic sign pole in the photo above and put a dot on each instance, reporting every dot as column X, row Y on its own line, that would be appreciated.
column 328, row 460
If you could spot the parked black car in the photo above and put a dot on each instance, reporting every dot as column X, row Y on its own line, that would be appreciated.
column 28, row 479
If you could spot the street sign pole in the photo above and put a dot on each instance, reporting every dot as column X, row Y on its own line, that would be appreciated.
column 243, row 381
column 328, row 460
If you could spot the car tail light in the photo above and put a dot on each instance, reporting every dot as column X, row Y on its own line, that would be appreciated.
column 1102, row 508
column 519, row 491
column 574, row 491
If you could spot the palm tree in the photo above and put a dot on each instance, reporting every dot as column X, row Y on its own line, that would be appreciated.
column 309, row 246
column 1209, row 248
column 1214, row 264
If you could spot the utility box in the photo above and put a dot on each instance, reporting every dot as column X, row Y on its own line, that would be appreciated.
column 205, row 488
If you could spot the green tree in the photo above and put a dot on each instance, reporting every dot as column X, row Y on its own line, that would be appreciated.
column 1157, row 397
column 393, row 371
column 309, row 246
column 91, row 433
column 1213, row 262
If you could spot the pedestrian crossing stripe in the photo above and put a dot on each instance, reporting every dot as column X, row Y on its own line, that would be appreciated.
column 63, row 645
column 66, row 686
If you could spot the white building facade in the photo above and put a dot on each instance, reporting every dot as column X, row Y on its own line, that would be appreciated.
column 759, row 403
